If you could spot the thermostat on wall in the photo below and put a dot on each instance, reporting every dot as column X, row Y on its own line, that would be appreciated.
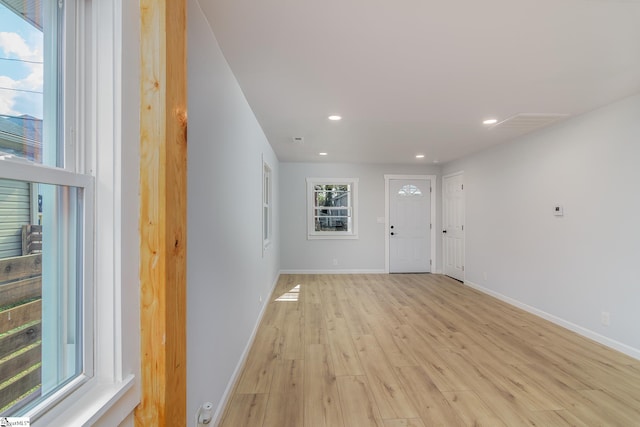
column 557, row 210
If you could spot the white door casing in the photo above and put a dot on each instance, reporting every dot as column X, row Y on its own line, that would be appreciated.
column 453, row 216
column 410, row 238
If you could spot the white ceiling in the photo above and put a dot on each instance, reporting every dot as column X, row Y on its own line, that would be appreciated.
column 419, row 76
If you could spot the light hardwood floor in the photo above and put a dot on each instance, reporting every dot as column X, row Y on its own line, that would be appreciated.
column 422, row 350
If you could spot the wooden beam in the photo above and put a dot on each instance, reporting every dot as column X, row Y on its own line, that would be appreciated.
column 163, row 214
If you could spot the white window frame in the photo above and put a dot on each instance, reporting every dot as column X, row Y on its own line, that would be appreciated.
column 312, row 234
column 94, row 153
column 267, row 206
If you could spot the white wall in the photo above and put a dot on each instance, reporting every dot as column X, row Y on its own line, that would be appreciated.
column 568, row 268
column 364, row 254
column 226, row 271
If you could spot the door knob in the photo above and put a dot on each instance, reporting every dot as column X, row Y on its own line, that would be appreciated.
column 392, row 233
column 444, row 231
column 392, row 226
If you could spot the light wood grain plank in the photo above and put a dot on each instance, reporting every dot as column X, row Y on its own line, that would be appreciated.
column 322, row 407
column 288, row 377
column 561, row 418
column 432, row 406
column 393, row 341
column 471, row 409
column 415, row 422
column 245, row 410
column 609, row 408
column 293, row 333
column 499, row 398
column 431, row 352
column 358, row 403
column 442, row 373
column 392, row 400
column 355, row 320
column 343, row 351
column 315, row 329
column 261, row 362
column 284, row 410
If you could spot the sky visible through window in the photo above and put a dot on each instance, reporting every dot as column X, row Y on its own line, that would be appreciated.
column 21, row 70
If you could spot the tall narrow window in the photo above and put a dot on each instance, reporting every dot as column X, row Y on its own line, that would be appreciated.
column 267, row 202
column 46, row 207
column 332, row 208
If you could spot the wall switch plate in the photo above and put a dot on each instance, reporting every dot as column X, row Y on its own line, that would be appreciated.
column 558, row 210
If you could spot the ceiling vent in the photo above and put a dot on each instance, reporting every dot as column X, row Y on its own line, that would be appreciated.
column 527, row 122
column 298, row 139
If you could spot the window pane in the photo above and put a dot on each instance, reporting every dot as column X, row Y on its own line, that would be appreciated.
column 409, row 190
column 331, row 208
column 265, row 225
column 40, row 291
column 29, row 113
column 332, row 223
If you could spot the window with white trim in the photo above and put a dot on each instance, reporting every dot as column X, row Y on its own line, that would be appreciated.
column 332, row 208
column 267, row 202
column 52, row 353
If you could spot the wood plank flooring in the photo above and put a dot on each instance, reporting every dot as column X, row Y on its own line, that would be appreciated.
column 422, row 350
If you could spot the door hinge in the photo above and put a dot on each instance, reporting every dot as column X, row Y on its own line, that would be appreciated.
column 462, row 186
column 430, row 190
column 430, row 226
column 60, row 4
column 463, row 228
column 430, row 262
column 463, row 268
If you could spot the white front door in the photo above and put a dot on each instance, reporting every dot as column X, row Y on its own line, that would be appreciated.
column 409, row 225
column 453, row 214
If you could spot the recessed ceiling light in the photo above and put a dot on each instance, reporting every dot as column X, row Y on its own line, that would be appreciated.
column 335, row 118
column 419, row 156
column 490, row 122
column 322, row 154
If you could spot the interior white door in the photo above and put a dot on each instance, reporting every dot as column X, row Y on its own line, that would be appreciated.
column 453, row 214
column 409, row 225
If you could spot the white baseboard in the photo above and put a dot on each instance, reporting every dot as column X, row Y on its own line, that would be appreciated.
column 217, row 416
column 332, row 272
column 616, row 345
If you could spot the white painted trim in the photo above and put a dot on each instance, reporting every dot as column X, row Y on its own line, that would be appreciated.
column 217, row 416
column 464, row 249
column 616, row 345
column 333, row 271
column 112, row 393
column 267, row 173
column 337, row 235
column 434, row 183
column 31, row 172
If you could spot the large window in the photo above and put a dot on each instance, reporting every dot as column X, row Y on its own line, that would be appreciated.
column 46, row 210
column 332, row 208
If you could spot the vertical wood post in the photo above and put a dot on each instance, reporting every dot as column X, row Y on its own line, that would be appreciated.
column 163, row 214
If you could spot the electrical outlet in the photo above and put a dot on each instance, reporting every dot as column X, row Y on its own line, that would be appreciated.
column 484, row 275
column 605, row 318
column 260, row 298
column 335, row 261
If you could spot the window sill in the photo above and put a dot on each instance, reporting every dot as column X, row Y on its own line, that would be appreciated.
column 95, row 404
column 332, row 237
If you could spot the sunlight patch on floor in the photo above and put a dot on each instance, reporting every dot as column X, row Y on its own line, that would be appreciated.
column 290, row 296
